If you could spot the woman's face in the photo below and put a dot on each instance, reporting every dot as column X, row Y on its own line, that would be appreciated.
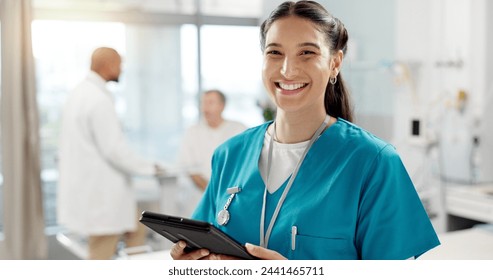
column 297, row 64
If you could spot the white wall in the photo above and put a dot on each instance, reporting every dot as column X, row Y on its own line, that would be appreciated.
column 439, row 35
column 484, row 40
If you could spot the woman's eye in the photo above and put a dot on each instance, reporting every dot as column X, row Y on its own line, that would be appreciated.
column 272, row 52
column 306, row 52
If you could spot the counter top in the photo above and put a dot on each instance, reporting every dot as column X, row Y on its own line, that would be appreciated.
column 469, row 244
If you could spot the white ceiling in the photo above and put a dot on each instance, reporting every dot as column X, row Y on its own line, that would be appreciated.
column 237, row 8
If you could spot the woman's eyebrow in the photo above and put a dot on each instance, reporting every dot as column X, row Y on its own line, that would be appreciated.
column 306, row 44
column 273, row 45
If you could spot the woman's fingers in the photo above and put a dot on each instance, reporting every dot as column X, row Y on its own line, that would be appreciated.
column 177, row 252
column 263, row 253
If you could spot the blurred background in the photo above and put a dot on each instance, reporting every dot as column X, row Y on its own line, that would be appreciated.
column 419, row 73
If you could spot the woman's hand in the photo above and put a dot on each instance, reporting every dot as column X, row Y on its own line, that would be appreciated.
column 254, row 250
column 263, row 253
column 177, row 252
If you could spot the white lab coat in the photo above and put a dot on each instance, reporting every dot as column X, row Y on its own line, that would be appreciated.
column 95, row 163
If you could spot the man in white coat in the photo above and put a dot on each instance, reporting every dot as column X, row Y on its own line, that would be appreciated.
column 95, row 197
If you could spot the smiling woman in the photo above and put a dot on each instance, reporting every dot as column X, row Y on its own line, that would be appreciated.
column 314, row 185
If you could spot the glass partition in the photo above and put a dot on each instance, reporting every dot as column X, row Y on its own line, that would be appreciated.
column 158, row 93
column 154, row 97
column 231, row 61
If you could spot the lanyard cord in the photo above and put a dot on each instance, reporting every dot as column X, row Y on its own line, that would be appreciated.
column 264, row 236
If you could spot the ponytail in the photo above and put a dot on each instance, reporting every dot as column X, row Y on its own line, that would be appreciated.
column 337, row 102
column 337, row 98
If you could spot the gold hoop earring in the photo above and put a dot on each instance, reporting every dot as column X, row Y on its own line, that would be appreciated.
column 333, row 80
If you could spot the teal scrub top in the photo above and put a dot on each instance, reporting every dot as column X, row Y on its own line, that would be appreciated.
column 352, row 199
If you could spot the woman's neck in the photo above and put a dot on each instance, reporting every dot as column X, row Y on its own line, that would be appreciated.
column 296, row 128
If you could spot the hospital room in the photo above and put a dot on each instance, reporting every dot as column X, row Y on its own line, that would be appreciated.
column 128, row 128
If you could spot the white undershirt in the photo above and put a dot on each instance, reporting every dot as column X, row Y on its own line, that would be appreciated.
column 284, row 160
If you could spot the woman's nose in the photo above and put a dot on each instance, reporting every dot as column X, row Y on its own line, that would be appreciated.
column 289, row 68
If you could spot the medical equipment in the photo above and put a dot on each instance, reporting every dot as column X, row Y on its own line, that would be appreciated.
column 465, row 149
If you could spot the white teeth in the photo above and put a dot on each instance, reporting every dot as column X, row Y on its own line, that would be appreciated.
column 291, row 86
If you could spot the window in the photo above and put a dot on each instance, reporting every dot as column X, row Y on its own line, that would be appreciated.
column 148, row 98
column 231, row 61
column 158, row 93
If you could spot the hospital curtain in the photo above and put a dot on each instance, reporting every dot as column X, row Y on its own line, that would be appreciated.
column 23, row 211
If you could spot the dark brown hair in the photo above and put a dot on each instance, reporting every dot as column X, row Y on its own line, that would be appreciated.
column 337, row 100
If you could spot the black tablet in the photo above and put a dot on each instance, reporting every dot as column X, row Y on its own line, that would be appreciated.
column 197, row 234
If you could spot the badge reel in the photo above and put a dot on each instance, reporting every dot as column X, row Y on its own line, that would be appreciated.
column 223, row 215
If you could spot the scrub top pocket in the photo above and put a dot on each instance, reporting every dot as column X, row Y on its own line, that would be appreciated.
column 321, row 248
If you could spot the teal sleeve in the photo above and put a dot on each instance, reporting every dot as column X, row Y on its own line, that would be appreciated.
column 206, row 209
column 392, row 222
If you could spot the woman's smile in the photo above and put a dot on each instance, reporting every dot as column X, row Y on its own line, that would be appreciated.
column 290, row 88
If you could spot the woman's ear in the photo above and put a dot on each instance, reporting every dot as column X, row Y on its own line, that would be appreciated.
column 337, row 62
